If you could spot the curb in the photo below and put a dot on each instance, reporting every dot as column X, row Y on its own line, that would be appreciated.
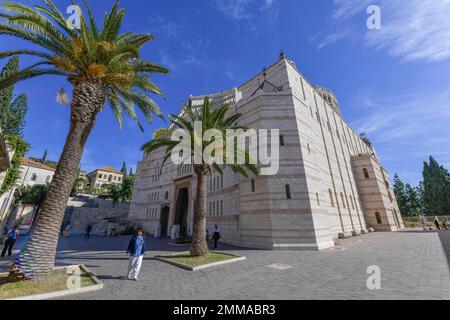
column 204, row 266
column 63, row 293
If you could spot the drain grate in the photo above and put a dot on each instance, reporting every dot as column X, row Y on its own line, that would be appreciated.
column 279, row 266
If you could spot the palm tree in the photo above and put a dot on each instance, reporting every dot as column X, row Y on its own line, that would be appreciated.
column 210, row 119
column 104, row 66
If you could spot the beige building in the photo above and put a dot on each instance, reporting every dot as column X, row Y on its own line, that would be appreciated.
column 330, row 183
column 104, row 176
column 35, row 173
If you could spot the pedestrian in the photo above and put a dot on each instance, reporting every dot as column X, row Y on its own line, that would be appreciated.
column 423, row 223
column 11, row 238
column 216, row 235
column 444, row 223
column 437, row 223
column 88, row 232
column 136, row 249
column 66, row 231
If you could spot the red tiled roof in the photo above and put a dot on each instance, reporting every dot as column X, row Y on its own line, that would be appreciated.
column 109, row 169
column 35, row 164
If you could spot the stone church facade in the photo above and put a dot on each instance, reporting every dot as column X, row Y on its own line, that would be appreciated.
column 330, row 183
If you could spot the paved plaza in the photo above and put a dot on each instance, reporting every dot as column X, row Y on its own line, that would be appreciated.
column 414, row 265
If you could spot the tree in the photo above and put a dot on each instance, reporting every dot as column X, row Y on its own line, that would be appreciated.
column 401, row 196
column 44, row 157
column 104, row 66
column 413, row 200
column 209, row 119
column 12, row 112
column 7, row 93
column 114, row 192
column 436, row 188
column 124, row 169
column 127, row 188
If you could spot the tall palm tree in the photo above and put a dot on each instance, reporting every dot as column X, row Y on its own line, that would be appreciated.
column 210, row 118
column 104, row 66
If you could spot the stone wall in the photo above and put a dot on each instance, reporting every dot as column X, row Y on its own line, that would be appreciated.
column 104, row 217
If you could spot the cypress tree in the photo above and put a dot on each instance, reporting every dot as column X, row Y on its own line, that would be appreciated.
column 12, row 113
column 124, row 169
column 17, row 112
column 400, row 194
column 436, row 188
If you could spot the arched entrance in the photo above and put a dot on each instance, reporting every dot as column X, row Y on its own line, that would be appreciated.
column 181, row 211
column 164, row 220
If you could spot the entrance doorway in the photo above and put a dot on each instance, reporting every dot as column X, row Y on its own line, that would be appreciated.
column 164, row 221
column 181, row 212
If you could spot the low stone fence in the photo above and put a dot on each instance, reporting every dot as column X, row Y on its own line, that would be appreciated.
column 105, row 218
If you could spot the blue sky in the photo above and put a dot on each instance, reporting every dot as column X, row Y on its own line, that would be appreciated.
column 391, row 83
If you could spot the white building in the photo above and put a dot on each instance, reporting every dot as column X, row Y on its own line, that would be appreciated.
column 104, row 176
column 330, row 183
column 35, row 173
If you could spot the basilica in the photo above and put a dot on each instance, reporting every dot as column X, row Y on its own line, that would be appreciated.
column 330, row 183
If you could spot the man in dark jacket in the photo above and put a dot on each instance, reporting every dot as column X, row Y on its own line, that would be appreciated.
column 136, row 249
column 11, row 238
column 216, row 235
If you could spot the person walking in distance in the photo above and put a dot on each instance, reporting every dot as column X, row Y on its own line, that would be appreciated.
column 444, row 223
column 88, row 232
column 437, row 223
column 11, row 238
column 136, row 249
column 216, row 235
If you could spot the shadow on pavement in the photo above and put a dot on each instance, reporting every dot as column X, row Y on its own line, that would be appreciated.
column 444, row 236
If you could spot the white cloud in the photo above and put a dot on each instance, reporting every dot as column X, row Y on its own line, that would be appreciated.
column 243, row 9
column 411, row 30
column 334, row 37
column 405, row 122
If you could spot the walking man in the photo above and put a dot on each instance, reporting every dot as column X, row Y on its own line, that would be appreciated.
column 437, row 223
column 88, row 232
column 11, row 238
column 216, row 235
column 444, row 224
column 136, row 249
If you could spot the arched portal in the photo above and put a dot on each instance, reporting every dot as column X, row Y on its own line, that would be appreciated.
column 164, row 220
column 181, row 211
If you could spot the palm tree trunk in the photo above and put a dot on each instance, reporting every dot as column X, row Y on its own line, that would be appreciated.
column 37, row 258
column 199, row 247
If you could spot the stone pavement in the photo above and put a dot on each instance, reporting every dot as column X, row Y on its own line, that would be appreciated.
column 414, row 265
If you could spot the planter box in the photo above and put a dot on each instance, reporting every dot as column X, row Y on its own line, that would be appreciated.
column 43, row 296
column 201, row 267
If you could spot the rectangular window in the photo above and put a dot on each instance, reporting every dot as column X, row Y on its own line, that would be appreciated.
column 331, row 197
column 317, row 198
column 221, row 207
column 288, row 192
column 378, row 217
column 281, row 140
column 366, row 173
column 253, row 185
